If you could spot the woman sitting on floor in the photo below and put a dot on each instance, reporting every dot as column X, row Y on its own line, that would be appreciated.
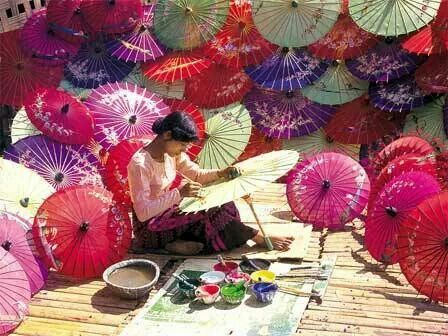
column 157, row 222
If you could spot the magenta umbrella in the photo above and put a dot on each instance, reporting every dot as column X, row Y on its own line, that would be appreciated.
column 14, row 240
column 392, row 207
column 327, row 190
column 15, row 292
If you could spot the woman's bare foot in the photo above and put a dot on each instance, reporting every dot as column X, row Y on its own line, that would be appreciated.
column 280, row 243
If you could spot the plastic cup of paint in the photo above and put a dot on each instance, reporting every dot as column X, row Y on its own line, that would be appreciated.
column 229, row 267
column 207, row 294
column 233, row 294
column 263, row 276
column 264, row 291
column 212, row 278
column 188, row 291
column 236, row 277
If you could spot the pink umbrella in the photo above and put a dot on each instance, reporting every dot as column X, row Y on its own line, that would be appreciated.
column 327, row 190
column 14, row 240
column 392, row 207
column 15, row 292
column 122, row 111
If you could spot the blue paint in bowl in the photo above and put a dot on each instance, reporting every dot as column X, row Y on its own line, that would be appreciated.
column 265, row 291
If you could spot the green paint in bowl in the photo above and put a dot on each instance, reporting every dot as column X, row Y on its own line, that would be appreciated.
column 233, row 294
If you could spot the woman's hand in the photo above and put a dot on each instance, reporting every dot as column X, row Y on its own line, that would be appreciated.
column 191, row 189
column 229, row 172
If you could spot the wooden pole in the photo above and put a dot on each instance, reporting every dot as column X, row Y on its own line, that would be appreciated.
column 269, row 245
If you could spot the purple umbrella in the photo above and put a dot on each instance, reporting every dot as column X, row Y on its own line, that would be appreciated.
column 386, row 62
column 93, row 66
column 285, row 114
column 400, row 95
column 287, row 69
column 60, row 164
column 122, row 111
column 140, row 44
column 40, row 40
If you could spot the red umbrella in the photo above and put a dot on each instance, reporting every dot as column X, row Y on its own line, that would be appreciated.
column 259, row 144
column 223, row 85
column 358, row 122
column 392, row 207
column 239, row 43
column 432, row 76
column 15, row 292
column 85, row 231
column 442, row 169
column 19, row 75
column 175, row 66
column 327, row 190
column 423, row 248
column 64, row 17
column 59, row 116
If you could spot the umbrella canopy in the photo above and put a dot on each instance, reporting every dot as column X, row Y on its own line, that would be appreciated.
column 22, row 126
column 295, row 23
column 23, row 190
column 41, row 41
column 13, row 239
column 386, row 62
column 392, row 207
column 239, row 43
column 259, row 144
column 320, row 142
column 336, row 86
column 88, row 236
column 64, row 17
column 423, row 246
column 78, row 93
column 19, row 75
column 400, row 95
column 93, row 66
column 122, row 111
column 227, row 132
column 442, row 169
column 393, row 17
column 139, row 45
column 15, row 292
column 186, row 24
column 286, row 114
column 223, row 85
column 445, row 115
column 60, row 165
column 287, row 69
column 59, row 116
column 432, row 76
column 256, row 173
column 175, row 66
column 327, row 190
column 358, row 122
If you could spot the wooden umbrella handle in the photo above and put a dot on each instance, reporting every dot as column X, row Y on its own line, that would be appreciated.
column 267, row 240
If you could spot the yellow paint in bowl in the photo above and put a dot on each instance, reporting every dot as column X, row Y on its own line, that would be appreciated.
column 263, row 276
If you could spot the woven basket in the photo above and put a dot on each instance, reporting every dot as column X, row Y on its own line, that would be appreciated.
column 13, row 13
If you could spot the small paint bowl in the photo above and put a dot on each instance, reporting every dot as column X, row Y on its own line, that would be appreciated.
column 260, row 263
column 236, row 276
column 187, row 291
column 264, row 291
column 207, row 294
column 230, row 266
column 233, row 294
column 212, row 278
column 262, row 276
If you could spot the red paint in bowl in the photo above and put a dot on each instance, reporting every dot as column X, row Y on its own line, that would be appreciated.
column 230, row 266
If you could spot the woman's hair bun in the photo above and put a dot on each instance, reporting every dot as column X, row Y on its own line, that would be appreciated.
column 157, row 126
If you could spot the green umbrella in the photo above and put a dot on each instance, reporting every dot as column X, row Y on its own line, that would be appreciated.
column 22, row 127
column 186, row 24
column 227, row 131
column 336, row 86
column 393, row 17
column 295, row 23
column 80, row 93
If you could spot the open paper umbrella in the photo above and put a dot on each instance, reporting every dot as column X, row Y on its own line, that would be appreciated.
column 122, row 111
column 393, row 17
column 139, row 45
column 77, row 92
column 400, row 95
column 259, row 144
column 287, row 69
column 327, row 190
column 336, row 86
column 445, row 115
column 358, row 122
column 286, row 114
column 13, row 239
column 23, row 190
column 239, row 43
column 93, row 66
column 223, row 85
column 392, row 207
column 40, row 41
column 295, row 23
column 59, row 116
column 64, row 17
column 59, row 164
column 432, row 76
column 84, row 230
column 186, row 24
column 22, row 126
column 319, row 142
column 442, row 169
column 227, row 132
column 386, row 62
column 175, row 66
column 19, row 75
column 423, row 247
column 15, row 292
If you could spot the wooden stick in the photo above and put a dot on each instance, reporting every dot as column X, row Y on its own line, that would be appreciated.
column 266, row 238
